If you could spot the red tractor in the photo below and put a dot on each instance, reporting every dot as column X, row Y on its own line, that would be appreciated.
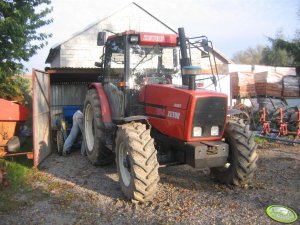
column 136, row 114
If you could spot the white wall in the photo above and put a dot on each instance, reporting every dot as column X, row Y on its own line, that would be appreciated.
column 82, row 50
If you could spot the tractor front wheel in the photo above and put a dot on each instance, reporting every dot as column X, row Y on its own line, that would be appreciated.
column 242, row 158
column 136, row 162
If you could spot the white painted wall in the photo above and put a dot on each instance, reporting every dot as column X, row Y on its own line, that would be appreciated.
column 82, row 49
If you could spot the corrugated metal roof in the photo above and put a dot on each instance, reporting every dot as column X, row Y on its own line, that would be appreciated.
column 73, row 74
column 72, row 69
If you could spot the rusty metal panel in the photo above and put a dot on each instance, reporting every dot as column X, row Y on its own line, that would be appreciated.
column 12, row 111
column 41, row 116
column 66, row 94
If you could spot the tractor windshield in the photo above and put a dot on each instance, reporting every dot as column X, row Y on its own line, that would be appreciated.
column 152, row 64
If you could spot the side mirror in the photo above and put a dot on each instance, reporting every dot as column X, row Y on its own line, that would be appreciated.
column 204, row 43
column 99, row 64
column 214, row 80
column 101, row 38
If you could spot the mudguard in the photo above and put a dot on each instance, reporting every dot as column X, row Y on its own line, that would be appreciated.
column 105, row 109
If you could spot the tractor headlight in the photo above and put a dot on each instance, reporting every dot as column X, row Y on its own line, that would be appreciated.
column 214, row 131
column 197, row 131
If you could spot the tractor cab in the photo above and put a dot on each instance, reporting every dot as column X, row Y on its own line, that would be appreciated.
column 130, row 61
column 135, row 59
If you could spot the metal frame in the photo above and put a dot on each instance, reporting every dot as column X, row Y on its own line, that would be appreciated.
column 53, row 75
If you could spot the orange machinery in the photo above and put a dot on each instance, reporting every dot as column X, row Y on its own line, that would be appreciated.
column 12, row 115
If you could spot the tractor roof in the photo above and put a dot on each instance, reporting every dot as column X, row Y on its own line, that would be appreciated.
column 149, row 38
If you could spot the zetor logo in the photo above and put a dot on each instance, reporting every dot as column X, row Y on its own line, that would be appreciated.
column 175, row 115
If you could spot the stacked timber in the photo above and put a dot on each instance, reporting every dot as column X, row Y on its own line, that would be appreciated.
column 253, row 81
column 246, row 84
column 235, row 84
column 291, row 86
column 268, row 84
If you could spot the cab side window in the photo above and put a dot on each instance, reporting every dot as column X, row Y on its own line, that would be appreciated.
column 115, row 60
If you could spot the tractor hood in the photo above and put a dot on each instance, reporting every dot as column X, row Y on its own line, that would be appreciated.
column 175, row 111
column 173, row 95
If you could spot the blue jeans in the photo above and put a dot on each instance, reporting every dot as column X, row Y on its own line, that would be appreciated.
column 76, row 127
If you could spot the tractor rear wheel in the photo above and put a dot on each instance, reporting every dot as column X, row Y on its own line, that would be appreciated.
column 94, row 133
column 136, row 162
column 242, row 158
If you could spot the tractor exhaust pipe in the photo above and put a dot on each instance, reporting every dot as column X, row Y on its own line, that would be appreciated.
column 188, row 72
column 185, row 60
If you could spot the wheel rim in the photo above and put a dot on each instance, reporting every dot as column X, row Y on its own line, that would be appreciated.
column 124, row 164
column 89, row 127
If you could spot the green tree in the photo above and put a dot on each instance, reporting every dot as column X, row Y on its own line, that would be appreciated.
column 20, row 38
column 252, row 55
column 282, row 52
column 273, row 56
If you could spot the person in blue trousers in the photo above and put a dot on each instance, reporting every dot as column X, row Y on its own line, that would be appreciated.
column 76, row 128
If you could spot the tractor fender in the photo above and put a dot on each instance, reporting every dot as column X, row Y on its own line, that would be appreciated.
column 136, row 118
column 105, row 109
column 140, row 119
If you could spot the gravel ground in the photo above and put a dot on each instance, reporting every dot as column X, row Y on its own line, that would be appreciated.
column 72, row 191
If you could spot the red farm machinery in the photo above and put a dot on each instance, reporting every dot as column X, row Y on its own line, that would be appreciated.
column 12, row 116
column 137, row 116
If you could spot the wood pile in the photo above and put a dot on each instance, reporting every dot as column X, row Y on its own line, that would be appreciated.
column 235, row 84
column 243, row 84
column 268, row 84
column 291, row 86
column 246, row 84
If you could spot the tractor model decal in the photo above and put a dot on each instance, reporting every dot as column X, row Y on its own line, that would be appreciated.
column 175, row 115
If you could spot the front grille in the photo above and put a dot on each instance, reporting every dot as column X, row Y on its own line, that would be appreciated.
column 209, row 112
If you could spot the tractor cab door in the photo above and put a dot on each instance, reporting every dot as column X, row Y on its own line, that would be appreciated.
column 114, row 66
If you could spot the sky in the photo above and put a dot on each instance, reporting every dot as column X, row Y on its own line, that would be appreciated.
column 232, row 25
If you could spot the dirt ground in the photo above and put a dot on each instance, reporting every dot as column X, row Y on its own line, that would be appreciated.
column 72, row 191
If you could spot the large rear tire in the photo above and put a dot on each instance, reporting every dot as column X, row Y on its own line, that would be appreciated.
column 136, row 162
column 242, row 158
column 94, row 133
